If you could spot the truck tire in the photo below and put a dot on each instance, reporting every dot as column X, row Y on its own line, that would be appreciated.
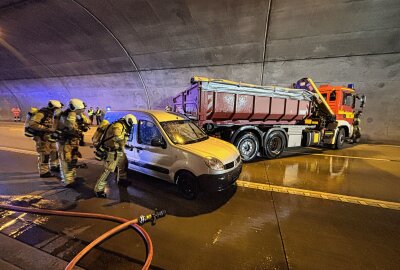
column 274, row 144
column 340, row 138
column 188, row 185
column 248, row 146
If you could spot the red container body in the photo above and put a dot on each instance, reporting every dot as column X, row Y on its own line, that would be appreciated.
column 226, row 108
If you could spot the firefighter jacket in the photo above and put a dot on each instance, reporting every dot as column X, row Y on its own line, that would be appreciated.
column 42, row 121
column 116, row 136
column 68, row 124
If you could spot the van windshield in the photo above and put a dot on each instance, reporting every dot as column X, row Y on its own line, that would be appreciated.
column 183, row 132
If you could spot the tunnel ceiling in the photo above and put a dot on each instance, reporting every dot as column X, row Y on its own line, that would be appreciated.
column 64, row 38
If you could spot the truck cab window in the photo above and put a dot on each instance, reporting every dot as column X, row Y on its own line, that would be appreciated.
column 147, row 131
column 348, row 99
column 325, row 96
column 332, row 96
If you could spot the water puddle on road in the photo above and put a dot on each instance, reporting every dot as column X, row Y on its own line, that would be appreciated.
column 14, row 223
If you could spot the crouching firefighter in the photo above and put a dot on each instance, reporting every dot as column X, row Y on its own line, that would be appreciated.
column 40, row 127
column 69, row 134
column 110, row 141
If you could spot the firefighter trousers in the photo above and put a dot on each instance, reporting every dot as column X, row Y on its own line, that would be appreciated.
column 47, row 155
column 117, row 162
column 68, row 153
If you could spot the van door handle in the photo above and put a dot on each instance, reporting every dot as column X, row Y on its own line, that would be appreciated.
column 129, row 147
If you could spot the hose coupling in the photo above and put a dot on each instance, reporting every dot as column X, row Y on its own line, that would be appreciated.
column 152, row 217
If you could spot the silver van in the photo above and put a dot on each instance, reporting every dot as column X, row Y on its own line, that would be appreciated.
column 171, row 147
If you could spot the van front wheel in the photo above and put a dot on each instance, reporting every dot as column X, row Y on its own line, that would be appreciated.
column 188, row 185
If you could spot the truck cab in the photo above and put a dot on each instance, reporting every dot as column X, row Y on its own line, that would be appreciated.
column 342, row 101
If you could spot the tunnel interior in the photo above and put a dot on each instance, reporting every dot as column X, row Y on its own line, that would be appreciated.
column 289, row 188
column 140, row 54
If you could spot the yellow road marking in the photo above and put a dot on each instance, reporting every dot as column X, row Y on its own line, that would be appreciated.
column 320, row 195
column 329, row 155
column 387, row 145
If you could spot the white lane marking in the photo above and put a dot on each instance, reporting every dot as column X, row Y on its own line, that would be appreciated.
column 321, row 195
column 352, row 157
column 34, row 153
column 16, row 150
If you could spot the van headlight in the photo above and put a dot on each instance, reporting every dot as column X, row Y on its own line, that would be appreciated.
column 214, row 163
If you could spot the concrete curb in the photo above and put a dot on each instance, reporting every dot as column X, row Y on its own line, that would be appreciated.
column 17, row 255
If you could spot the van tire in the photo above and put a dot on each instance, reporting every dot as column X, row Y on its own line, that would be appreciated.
column 188, row 185
column 274, row 144
column 340, row 138
column 248, row 146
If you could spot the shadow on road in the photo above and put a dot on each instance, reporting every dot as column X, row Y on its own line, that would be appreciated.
column 154, row 193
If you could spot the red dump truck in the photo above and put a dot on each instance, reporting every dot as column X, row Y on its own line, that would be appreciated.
column 264, row 120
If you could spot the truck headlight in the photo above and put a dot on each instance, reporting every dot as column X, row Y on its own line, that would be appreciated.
column 214, row 163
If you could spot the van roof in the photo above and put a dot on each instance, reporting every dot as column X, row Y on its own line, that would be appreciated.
column 159, row 115
column 163, row 116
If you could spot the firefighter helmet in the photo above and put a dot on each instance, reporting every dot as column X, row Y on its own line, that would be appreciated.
column 130, row 119
column 55, row 104
column 76, row 104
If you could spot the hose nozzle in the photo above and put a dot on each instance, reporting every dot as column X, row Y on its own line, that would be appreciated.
column 152, row 217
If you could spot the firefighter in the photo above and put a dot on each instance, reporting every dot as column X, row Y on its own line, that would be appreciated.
column 68, row 142
column 356, row 128
column 41, row 124
column 83, row 126
column 111, row 148
column 57, row 115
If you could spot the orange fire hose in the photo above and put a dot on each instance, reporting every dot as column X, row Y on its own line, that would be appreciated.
column 98, row 240
column 125, row 224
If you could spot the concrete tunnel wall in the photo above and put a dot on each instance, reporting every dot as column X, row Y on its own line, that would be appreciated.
column 63, row 49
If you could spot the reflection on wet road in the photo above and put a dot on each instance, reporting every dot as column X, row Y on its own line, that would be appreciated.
column 326, row 172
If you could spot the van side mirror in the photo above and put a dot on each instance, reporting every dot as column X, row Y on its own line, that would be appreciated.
column 159, row 142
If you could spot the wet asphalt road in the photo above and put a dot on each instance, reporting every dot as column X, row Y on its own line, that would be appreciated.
column 241, row 228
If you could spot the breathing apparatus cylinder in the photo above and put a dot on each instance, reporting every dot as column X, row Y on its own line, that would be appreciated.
column 100, row 153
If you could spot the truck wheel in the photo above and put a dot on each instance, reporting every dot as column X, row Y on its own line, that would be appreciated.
column 248, row 146
column 274, row 144
column 340, row 138
column 188, row 185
